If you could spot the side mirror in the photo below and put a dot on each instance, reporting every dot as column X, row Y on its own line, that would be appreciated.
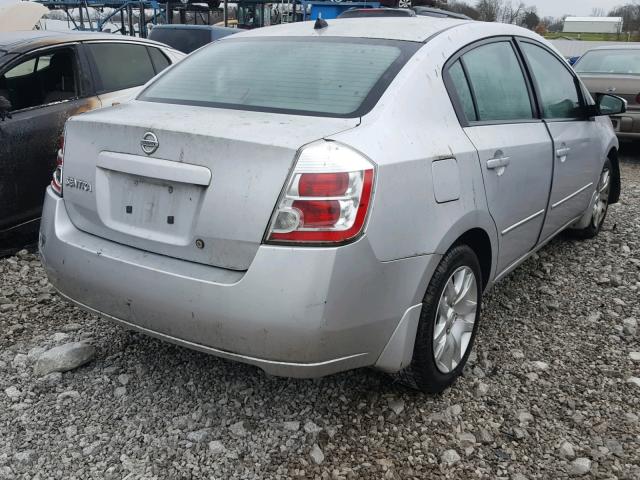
column 5, row 108
column 610, row 104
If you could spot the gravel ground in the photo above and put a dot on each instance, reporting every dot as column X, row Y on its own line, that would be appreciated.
column 547, row 395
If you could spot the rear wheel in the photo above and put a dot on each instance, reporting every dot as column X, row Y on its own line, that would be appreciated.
column 448, row 322
column 601, row 205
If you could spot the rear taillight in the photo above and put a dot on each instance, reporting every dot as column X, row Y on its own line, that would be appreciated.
column 638, row 98
column 327, row 198
column 56, row 181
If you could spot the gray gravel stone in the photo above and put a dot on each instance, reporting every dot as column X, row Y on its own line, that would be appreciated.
column 310, row 427
column 635, row 356
column 634, row 381
column 293, row 426
column 238, row 429
column 13, row 393
column 524, row 417
column 539, row 365
column 567, row 450
column 630, row 326
column 63, row 358
column 450, row 457
column 198, row 436
column 481, row 390
column 396, row 405
column 316, row 454
column 216, row 447
column 579, row 467
column 466, row 439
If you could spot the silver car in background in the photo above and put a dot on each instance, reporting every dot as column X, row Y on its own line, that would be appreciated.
column 616, row 70
column 340, row 198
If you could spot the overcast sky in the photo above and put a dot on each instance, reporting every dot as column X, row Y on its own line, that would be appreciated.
column 557, row 8
column 553, row 8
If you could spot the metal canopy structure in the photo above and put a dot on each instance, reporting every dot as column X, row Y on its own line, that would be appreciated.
column 92, row 16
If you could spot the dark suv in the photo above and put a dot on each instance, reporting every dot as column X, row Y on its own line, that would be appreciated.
column 188, row 38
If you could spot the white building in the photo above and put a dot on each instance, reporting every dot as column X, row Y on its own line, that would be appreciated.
column 592, row 25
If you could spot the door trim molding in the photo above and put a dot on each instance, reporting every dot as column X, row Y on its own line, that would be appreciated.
column 522, row 222
column 540, row 245
column 566, row 199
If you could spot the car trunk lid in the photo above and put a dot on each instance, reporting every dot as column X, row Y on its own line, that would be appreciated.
column 204, row 194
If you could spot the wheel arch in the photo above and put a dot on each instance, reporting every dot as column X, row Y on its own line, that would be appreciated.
column 478, row 240
column 616, row 186
column 477, row 230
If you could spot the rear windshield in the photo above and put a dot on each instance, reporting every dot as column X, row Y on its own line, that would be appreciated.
column 622, row 62
column 184, row 39
column 304, row 75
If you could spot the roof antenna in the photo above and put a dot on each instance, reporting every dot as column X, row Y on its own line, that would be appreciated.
column 320, row 22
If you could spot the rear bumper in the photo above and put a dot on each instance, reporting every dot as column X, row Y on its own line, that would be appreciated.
column 300, row 312
column 627, row 125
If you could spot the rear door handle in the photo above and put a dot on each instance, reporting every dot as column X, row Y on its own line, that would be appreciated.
column 498, row 162
column 562, row 152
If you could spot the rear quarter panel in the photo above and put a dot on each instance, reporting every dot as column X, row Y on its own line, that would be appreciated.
column 413, row 126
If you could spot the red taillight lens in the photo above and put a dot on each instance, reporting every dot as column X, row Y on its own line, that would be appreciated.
column 56, row 181
column 318, row 213
column 638, row 98
column 323, row 184
column 327, row 197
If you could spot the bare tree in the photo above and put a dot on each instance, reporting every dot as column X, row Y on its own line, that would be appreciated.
column 464, row 8
column 489, row 10
column 598, row 12
column 511, row 13
column 530, row 18
column 630, row 14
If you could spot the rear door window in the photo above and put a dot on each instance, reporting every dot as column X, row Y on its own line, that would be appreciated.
column 498, row 83
column 160, row 60
column 315, row 76
column 461, row 86
column 557, row 87
column 120, row 65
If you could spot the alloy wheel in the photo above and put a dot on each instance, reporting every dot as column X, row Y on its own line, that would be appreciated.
column 455, row 319
column 602, row 201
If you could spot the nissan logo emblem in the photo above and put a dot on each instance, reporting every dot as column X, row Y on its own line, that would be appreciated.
column 149, row 143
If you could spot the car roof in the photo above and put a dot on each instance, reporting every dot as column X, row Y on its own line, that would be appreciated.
column 615, row 47
column 413, row 29
column 22, row 41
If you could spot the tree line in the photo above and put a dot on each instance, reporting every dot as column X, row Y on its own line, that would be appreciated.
column 519, row 13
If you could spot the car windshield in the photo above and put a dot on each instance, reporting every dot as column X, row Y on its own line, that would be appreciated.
column 325, row 76
column 622, row 62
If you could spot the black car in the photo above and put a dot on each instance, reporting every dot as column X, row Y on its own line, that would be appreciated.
column 45, row 77
column 439, row 13
column 187, row 38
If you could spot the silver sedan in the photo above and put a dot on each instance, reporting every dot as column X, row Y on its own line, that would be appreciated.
column 311, row 199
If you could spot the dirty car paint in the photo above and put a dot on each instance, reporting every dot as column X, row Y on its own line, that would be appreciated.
column 28, row 146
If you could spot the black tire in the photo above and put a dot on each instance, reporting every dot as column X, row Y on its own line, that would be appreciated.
column 594, row 227
column 423, row 373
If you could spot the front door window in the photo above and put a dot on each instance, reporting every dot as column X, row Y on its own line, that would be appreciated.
column 41, row 80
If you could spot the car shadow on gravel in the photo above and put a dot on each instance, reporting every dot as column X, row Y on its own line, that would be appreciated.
column 630, row 151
